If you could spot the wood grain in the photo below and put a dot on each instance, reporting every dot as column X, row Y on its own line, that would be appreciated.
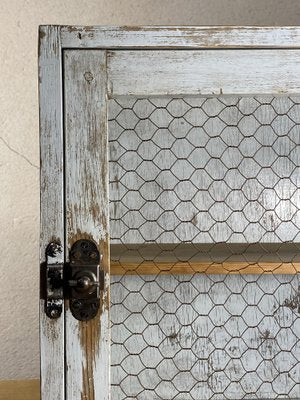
column 218, row 258
column 185, row 268
column 52, row 213
column 20, row 390
column 87, row 348
column 213, row 72
column 87, row 343
column 165, row 37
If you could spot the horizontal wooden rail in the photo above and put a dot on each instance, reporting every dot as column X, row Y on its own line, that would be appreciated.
column 213, row 72
column 185, row 268
column 168, row 37
column 209, row 258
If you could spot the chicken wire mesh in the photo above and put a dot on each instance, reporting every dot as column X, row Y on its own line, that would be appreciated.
column 204, row 215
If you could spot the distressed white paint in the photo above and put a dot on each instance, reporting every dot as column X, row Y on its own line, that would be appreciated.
column 180, row 37
column 85, row 116
column 204, row 336
column 87, row 343
column 204, row 170
column 206, row 72
column 19, row 127
column 52, row 215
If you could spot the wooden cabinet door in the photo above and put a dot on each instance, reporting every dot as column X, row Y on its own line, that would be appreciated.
column 176, row 151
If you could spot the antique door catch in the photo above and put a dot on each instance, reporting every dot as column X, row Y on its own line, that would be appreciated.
column 85, row 280
column 54, row 282
column 81, row 280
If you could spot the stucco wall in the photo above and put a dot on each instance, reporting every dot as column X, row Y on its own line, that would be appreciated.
column 19, row 143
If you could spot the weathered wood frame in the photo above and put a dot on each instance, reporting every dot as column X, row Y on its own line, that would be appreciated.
column 86, row 206
column 53, row 41
column 52, row 202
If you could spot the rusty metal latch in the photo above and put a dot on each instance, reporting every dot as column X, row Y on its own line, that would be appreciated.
column 81, row 280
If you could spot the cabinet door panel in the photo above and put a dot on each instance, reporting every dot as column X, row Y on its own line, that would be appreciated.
column 181, row 163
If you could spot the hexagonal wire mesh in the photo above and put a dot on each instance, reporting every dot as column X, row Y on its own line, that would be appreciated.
column 204, row 214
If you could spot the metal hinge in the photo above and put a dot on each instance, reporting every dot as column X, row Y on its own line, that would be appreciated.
column 80, row 280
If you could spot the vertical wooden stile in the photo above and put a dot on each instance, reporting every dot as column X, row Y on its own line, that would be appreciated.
column 52, row 212
column 86, row 174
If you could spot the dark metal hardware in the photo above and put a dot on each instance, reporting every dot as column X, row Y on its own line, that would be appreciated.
column 54, row 282
column 85, row 280
column 81, row 280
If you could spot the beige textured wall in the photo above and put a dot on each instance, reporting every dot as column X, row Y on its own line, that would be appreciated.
column 19, row 148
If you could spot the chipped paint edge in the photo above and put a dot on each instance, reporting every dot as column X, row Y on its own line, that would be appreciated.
column 193, row 37
column 87, row 343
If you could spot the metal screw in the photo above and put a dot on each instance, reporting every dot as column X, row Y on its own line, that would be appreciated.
column 54, row 313
column 84, row 245
column 53, row 249
column 93, row 255
column 77, row 304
